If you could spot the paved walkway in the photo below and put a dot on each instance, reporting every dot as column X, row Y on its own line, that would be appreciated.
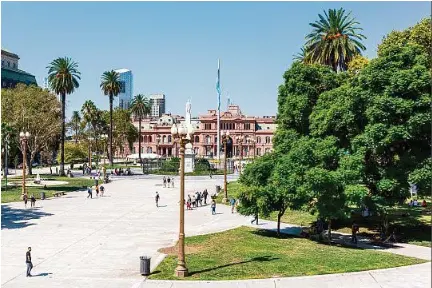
column 80, row 242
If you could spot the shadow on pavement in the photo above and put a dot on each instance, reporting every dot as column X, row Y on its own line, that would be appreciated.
column 14, row 218
column 255, row 259
column 42, row 274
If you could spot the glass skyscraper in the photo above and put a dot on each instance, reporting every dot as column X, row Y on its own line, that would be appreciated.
column 124, row 98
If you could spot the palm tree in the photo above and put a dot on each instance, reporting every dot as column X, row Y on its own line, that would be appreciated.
column 90, row 114
column 302, row 56
column 63, row 76
column 110, row 85
column 75, row 123
column 140, row 107
column 334, row 40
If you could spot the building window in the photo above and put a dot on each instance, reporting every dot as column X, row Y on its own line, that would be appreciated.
column 164, row 139
column 258, row 151
column 169, row 139
column 8, row 63
column 267, row 140
column 133, row 150
column 149, row 139
column 14, row 65
column 207, row 126
column 196, row 139
column 247, row 126
column 2, row 63
column 122, row 86
column 208, row 140
column 267, row 150
column 258, row 140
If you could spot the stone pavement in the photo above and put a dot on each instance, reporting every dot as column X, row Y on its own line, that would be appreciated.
column 80, row 242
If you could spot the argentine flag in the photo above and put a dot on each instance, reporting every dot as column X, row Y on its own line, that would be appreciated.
column 218, row 85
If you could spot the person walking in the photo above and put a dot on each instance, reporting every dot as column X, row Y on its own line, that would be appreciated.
column 205, row 194
column 157, row 197
column 213, row 207
column 255, row 219
column 102, row 190
column 188, row 203
column 354, row 230
column 32, row 201
column 97, row 190
column 193, row 201
column 172, row 182
column 232, row 203
column 29, row 262
column 90, row 192
column 25, row 198
column 164, row 182
column 168, row 181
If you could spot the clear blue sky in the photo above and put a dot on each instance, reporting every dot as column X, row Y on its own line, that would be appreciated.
column 173, row 47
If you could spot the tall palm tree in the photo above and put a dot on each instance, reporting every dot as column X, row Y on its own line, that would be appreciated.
column 91, row 115
column 334, row 40
column 75, row 123
column 63, row 76
column 110, row 85
column 303, row 55
column 140, row 107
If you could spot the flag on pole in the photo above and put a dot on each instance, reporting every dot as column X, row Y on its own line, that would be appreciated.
column 218, row 84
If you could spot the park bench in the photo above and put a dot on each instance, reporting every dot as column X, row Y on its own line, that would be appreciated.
column 58, row 194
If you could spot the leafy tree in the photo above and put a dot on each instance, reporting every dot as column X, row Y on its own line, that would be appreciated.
column 140, row 107
column 334, row 40
column 299, row 93
column 32, row 109
column 75, row 124
column 63, row 76
column 110, row 85
column 357, row 64
column 75, row 153
column 420, row 34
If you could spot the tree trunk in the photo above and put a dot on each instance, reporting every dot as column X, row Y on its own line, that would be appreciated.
column 329, row 231
column 111, row 129
column 76, row 133
column 278, row 223
column 62, row 137
column 139, row 139
column 29, row 162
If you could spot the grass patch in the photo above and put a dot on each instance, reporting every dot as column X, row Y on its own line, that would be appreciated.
column 13, row 194
column 247, row 253
column 412, row 224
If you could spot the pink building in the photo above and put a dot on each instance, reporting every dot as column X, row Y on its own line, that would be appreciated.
column 257, row 133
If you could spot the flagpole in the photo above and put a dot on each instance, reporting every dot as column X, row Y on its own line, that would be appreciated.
column 218, row 116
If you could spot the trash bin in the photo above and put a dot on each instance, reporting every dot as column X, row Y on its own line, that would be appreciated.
column 42, row 195
column 145, row 265
column 218, row 188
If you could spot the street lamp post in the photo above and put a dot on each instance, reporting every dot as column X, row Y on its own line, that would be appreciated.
column 225, row 137
column 24, row 136
column 240, row 141
column 184, row 135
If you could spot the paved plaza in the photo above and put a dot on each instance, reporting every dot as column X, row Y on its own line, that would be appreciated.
column 80, row 242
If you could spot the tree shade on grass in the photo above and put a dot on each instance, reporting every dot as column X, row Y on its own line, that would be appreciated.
column 13, row 194
column 247, row 253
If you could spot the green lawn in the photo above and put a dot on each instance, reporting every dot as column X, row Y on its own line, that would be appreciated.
column 247, row 253
column 13, row 194
column 413, row 226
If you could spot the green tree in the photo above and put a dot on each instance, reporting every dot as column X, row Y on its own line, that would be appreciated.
column 75, row 124
column 140, row 108
column 334, row 40
column 110, row 85
column 420, row 34
column 32, row 109
column 75, row 153
column 357, row 64
column 63, row 76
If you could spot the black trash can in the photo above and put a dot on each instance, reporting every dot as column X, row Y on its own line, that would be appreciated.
column 145, row 265
column 42, row 195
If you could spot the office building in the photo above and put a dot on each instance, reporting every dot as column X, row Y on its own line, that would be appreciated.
column 10, row 74
column 124, row 98
column 157, row 103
